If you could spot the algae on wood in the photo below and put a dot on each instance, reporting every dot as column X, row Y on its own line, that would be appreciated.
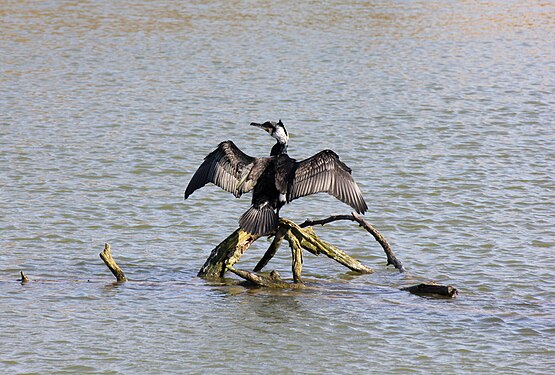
column 106, row 256
column 273, row 280
column 296, row 255
column 24, row 279
column 315, row 245
column 227, row 253
column 230, row 250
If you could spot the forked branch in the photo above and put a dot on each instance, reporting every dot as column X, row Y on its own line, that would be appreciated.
column 391, row 258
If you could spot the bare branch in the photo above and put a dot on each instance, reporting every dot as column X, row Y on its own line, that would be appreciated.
column 106, row 256
column 24, row 279
column 391, row 258
column 269, row 254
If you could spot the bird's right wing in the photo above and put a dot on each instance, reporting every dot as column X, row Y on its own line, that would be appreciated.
column 229, row 168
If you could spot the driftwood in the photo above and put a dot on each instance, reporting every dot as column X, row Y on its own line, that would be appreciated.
column 273, row 280
column 226, row 254
column 24, row 279
column 391, row 258
column 106, row 256
column 302, row 237
column 432, row 290
column 299, row 237
column 312, row 243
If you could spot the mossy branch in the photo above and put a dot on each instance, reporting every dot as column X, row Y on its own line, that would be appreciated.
column 230, row 250
column 314, row 244
column 24, row 279
column 273, row 280
column 227, row 253
column 106, row 256
column 296, row 255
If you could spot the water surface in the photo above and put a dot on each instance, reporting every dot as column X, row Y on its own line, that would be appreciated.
column 444, row 113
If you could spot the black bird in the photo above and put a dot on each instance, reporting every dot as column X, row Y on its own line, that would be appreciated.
column 276, row 180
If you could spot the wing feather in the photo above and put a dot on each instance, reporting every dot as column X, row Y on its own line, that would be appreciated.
column 229, row 168
column 324, row 172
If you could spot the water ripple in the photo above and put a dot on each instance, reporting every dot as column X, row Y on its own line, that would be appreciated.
column 444, row 113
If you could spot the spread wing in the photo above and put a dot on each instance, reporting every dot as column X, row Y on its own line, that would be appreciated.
column 324, row 172
column 229, row 168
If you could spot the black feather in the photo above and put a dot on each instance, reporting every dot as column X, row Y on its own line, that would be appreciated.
column 236, row 172
column 324, row 172
column 259, row 220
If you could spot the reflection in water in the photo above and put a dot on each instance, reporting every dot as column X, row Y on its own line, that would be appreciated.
column 444, row 112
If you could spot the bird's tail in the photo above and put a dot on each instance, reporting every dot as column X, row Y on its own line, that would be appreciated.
column 259, row 220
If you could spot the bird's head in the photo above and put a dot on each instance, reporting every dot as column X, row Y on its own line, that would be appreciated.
column 275, row 129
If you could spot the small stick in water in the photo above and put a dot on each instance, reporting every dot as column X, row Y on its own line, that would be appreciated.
column 106, row 256
column 24, row 279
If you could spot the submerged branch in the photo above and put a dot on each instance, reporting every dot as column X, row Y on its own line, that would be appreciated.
column 432, row 289
column 106, row 256
column 273, row 280
column 24, row 279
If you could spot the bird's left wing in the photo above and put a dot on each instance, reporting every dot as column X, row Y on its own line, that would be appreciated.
column 227, row 167
column 324, row 172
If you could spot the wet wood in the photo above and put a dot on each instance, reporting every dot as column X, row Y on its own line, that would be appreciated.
column 273, row 280
column 432, row 289
column 272, row 249
column 230, row 250
column 24, row 279
column 106, row 256
column 314, row 244
column 227, row 253
column 297, row 256
column 391, row 258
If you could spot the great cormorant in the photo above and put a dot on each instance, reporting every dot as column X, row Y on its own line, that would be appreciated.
column 276, row 180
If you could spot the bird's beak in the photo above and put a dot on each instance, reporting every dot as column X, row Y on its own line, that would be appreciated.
column 266, row 126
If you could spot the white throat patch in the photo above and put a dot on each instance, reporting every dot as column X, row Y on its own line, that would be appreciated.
column 280, row 135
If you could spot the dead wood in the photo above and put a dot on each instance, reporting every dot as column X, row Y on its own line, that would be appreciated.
column 106, row 256
column 227, row 253
column 273, row 280
column 314, row 244
column 296, row 255
column 280, row 233
column 432, row 289
column 391, row 258
column 230, row 250
column 24, row 279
